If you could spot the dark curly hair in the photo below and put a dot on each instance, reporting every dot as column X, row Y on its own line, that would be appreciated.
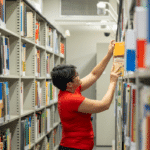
column 62, row 74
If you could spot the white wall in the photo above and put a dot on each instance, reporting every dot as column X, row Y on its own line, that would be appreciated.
column 51, row 10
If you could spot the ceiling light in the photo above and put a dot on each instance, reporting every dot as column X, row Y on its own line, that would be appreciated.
column 67, row 33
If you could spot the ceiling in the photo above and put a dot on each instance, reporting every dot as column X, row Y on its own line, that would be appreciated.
column 78, row 17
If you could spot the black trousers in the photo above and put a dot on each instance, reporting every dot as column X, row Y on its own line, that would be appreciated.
column 66, row 148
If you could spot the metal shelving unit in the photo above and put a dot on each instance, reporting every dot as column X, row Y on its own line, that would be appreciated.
column 139, row 77
column 15, row 78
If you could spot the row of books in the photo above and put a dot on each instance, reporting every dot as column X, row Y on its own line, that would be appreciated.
column 4, row 55
column 49, row 38
column 145, row 117
column 127, row 106
column 54, row 137
column 62, row 48
column 39, row 124
column 48, row 65
column 4, row 102
column 37, row 33
column 23, row 61
column 26, row 21
column 50, row 92
column 136, row 46
column 38, row 63
column 26, row 133
column 38, row 94
column 5, row 139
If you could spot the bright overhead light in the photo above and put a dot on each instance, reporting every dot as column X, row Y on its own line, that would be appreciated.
column 67, row 33
column 101, row 5
column 101, row 8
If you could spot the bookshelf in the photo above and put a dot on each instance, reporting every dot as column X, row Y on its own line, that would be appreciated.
column 132, row 105
column 29, row 118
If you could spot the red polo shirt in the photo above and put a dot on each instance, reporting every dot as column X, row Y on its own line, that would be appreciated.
column 77, row 129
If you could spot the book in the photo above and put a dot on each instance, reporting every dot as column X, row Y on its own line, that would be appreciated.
column 130, row 50
column 30, row 24
column 119, row 61
column 119, row 49
column 145, row 117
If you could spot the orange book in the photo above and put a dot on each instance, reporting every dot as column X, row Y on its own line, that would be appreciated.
column 119, row 49
column 141, row 50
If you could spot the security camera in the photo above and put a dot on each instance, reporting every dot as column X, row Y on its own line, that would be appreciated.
column 106, row 34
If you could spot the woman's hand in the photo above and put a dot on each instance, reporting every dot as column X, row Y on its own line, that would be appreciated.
column 111, row 47
column 115, row 73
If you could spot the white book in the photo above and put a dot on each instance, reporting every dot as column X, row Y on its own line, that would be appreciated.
column 141, row 22
column 29, row 24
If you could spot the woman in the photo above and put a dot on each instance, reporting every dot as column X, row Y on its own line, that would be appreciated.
column 74, row 109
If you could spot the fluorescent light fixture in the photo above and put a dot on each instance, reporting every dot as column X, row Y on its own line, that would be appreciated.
column 67, row 33
column 101, row 5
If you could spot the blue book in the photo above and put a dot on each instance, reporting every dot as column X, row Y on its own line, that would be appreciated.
column 130, row 60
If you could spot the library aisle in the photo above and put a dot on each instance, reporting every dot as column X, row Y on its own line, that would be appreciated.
column 30, row 46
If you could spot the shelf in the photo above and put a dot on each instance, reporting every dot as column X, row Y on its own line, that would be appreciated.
column 32, row 144
column 57, row 55
column 56, row 124
column 55, row 148
column 39, row 78
column 50, row 50
column 39, row 109
column 27, row 77
column 12, row 118
column 144, row 73
column 7, row 32
column 9, row 76
column 27, row 40
column 40, row 139
column 50, row 104
column 40, row 46
column 49, row 131
column 27, row 112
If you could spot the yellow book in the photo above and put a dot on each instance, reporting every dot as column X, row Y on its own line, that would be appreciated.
column 119, row 49
column 119, row 61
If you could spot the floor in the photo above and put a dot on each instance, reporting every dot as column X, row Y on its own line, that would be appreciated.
column 102, row 148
